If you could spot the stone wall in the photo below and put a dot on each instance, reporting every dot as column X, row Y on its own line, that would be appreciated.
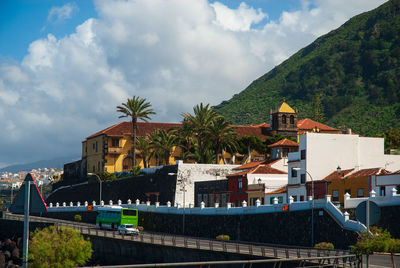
column 122, row 189
column 389, row 219
column 290, row 228
column 74, row 172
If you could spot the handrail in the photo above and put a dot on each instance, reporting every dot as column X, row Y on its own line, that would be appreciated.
column 351, row 263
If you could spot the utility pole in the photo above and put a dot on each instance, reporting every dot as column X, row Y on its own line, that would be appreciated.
column 26, row 225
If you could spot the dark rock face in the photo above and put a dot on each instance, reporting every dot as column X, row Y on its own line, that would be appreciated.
column 10, row 253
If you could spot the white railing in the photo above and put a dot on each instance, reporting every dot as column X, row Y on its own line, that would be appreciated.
column 382, row 201
column 326, row 204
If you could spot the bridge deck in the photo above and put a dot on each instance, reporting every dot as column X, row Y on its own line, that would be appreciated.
column 340, row 258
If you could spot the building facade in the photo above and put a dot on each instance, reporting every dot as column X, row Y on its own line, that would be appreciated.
column 319, row 154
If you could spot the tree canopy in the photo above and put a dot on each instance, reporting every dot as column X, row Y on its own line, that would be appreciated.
column 58, row 247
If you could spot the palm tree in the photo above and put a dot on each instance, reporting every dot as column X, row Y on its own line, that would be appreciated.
column 163, row 142
column 200, row 121
column 143, row 144
column 184, row 139
column 138, row 109
column 222, row 136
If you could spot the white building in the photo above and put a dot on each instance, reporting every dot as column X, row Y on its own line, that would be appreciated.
column 188, row 174
column 319, row 154
column 383, row 184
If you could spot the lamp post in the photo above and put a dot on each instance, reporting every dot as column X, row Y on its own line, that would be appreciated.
column 312, row 206
column 94, row 174
column 183, row 185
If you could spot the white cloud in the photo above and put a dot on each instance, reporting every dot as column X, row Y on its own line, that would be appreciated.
column 240, row 19
column 174, row 53
column 59, row 14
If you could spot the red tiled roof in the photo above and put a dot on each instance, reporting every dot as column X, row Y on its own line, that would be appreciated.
column 367, row 172
column 260, row 131
column 335, row 175
column 259, row 169
column 265, row 169
column 284, row 142
column 279, row 191
column 257, row 163
column 145, row 128
column 308, row 124
column 248, row 165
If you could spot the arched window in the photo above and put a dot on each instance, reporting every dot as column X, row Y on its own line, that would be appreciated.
column 292, row 120
column 283, row 119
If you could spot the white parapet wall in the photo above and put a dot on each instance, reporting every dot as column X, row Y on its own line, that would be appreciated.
column 326, row 204
column 390, row 199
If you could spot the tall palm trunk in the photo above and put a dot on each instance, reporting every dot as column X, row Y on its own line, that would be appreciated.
column 249, row 152
column 217, row 153
column 134, row 142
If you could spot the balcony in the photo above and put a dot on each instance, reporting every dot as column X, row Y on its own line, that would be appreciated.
column 114, row 150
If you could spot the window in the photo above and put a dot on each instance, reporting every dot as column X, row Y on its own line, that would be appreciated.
column 129, row 212
column 382, row 191
column 283, row 119
column 303, row 178
column 292, row 120
column 114, row 142
column 294, row 173
column 335, row 195
column 295, row 198
column 240, row 184
column 360, row 192
column 199, row 198
column 347, row 191
column 97, row 147
column 303, row 154
column 98, row 166
column 301, row 197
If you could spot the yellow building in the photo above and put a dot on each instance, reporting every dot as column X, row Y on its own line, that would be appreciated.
column 110, row 149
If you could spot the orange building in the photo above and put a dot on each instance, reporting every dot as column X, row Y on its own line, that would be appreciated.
column 349, row 181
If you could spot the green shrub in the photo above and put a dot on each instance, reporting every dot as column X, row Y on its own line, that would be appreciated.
column 223, row 237
column 324, row 245
column 77, row 217
column 58, row 247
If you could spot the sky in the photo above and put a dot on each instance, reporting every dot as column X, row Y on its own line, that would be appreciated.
column 66, row 65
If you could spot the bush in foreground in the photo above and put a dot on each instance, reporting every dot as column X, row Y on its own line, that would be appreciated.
column 58, row 247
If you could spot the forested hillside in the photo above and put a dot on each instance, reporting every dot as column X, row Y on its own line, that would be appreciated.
column 355, row 70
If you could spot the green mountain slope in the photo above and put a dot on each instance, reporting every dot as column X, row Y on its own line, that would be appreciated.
column 355, row 69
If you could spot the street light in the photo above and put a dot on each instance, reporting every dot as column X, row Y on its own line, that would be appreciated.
column 94, row 174
column 312, row 205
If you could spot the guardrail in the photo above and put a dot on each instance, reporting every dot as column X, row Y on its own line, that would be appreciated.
column 339, row 257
